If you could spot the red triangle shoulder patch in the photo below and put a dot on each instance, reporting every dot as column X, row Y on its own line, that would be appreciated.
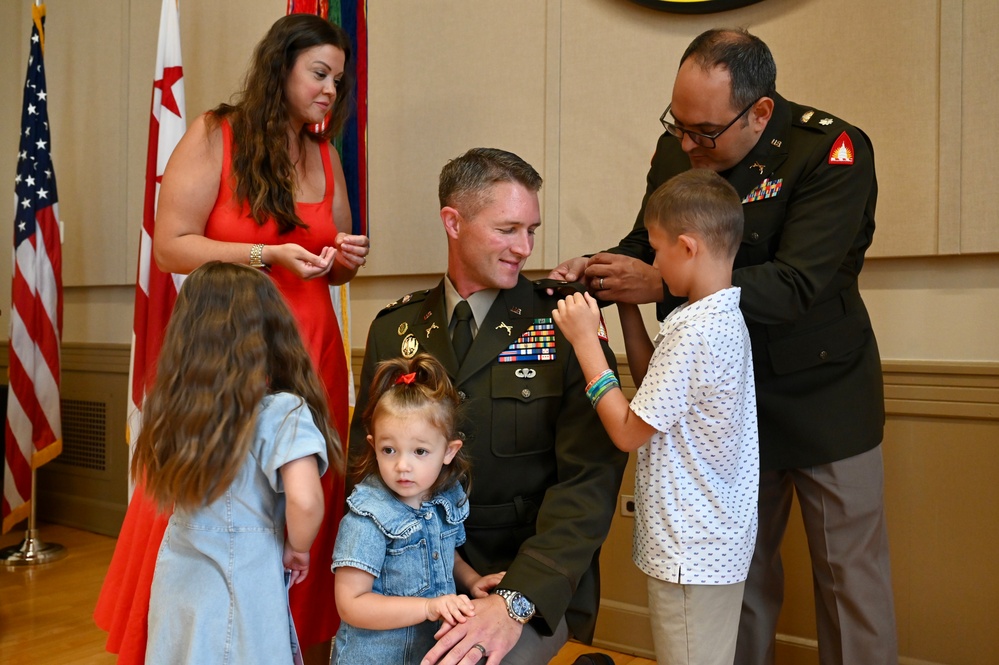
column 842, row 150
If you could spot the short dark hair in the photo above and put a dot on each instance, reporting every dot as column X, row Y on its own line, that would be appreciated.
column 698, row 201
column 746, row 57
column 465, row 181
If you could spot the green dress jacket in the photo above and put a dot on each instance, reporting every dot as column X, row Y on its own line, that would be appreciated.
column 545, row 475
column 808, row 198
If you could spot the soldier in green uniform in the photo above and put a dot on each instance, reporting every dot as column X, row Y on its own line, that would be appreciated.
column 545, row 476
column 809, row 192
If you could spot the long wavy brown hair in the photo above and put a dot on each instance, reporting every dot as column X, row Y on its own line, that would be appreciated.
column 261, row 166
column 230, row 341
column 431, row 394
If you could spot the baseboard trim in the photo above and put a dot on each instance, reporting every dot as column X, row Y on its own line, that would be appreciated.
column 617, row 620
column 805, row 650
column 81, row 512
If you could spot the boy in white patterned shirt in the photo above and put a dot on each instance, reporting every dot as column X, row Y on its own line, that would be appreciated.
column 693, row 421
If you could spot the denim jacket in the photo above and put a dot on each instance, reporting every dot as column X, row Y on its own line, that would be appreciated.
column 410, row 552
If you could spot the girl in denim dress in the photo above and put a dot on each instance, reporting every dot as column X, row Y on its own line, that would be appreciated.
column 235, row 438
column 395, row 558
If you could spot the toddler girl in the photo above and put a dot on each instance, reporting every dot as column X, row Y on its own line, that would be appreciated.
column 395, row 559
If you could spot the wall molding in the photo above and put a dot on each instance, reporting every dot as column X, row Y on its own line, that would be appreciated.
column 927, row 388
column 938, row 389
column 85, row 357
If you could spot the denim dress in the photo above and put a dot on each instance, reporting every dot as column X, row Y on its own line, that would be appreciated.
column 218, row 593
column 410, row 552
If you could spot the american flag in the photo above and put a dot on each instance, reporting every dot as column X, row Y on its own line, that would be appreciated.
column 33, row 433
column 156, row 291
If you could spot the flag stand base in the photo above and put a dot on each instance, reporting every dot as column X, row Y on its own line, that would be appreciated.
column 32, row 551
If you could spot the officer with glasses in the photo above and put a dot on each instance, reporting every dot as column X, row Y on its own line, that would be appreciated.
column 809, row 190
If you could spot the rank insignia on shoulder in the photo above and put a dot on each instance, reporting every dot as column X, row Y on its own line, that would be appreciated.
column 765, row 190
column 537, row 343
column 826, row 121
column 842, row 151
column 807, row 115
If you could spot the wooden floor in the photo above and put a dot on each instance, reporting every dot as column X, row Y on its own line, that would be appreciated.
column 46, row 611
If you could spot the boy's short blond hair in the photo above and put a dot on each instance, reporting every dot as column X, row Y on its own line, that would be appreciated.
column 702, row 203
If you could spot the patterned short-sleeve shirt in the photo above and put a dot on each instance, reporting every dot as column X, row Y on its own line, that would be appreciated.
column 697, row 479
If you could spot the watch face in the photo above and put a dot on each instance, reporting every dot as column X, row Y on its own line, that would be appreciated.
column 521, row 606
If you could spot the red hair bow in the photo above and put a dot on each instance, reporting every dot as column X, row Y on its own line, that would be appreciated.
column 406, row 378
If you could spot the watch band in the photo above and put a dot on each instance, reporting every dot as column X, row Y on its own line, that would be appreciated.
column 518, row 606
column 256, row 256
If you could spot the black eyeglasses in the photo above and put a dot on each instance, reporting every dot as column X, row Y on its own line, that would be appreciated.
column 703, row 140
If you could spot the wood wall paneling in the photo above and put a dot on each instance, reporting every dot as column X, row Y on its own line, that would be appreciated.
column 444, row 78
column 979, row 127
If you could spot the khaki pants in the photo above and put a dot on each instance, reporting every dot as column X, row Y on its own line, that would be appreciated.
column 694, row 624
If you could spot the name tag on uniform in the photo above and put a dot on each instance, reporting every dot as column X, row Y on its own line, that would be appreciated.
column 537, row 343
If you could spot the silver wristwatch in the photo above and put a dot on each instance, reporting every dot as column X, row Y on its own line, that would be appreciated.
column 518, row 606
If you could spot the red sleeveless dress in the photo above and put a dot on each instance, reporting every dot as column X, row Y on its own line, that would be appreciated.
column 124, row 600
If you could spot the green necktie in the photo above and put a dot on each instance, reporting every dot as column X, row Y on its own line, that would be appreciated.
column 461, row 338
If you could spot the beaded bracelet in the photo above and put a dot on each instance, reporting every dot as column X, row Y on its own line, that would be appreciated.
column 602, row 384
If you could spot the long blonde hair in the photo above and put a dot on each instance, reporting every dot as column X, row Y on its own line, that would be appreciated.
column 230, row 341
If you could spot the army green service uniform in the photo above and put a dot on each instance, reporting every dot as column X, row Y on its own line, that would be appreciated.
column 545, row 475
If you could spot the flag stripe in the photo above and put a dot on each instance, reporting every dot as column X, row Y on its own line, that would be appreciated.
column 32, row 432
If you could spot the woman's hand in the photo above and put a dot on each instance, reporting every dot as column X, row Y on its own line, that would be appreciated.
column 298, row 260
column 351, row 254
column 351, row 251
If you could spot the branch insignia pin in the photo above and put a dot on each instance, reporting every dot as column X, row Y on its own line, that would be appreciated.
column 409, row 346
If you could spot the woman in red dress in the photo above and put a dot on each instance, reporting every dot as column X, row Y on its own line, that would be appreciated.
column 256, row 182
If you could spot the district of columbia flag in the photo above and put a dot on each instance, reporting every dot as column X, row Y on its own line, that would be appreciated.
column 33, row 432
column 156, row 291
column 123, row 603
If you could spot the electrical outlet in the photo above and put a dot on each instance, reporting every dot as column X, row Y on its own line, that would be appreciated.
column 627, row 505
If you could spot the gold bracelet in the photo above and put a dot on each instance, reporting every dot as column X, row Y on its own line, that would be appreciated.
column 256, row 256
